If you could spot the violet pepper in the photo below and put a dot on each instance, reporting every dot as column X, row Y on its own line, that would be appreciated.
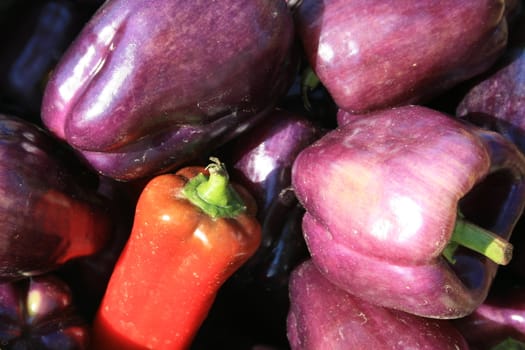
column 497, row 100
column 51, row 211
column 499, row 317
column 323, row 316
column 372, row 55
column 150, row 85
column 387, row 196
column 262, row 161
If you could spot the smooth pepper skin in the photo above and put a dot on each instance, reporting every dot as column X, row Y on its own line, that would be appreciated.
column 261, row 160
column 501, row 316
column 376, row 54
column 256, row 296
column 172, row 266
column 382, row 193
column 501, row 93
column 149, row 85
column 323, row 316
column 50, row 208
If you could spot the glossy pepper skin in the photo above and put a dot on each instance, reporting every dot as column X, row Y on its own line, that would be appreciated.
column 256, row 296
column 382, row 195
column 50, row 210
column 39, row 313
column 150, row 85
column 501, row 316
column 372, row 55
column 501, row 92
column 177, row 257
column 323, row 316
column 261, row 160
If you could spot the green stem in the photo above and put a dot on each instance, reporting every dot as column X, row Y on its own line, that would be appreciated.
column 213, row 194
column 509, row 344
column 309, row 81
column 478, row 239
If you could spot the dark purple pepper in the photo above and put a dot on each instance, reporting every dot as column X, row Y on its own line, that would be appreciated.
column 501, row 93
column 501, row 316
column 149, row 85
column 323, row 316
column 50, row 210
column 39, row 313
column 262, row 161
column 372, row 55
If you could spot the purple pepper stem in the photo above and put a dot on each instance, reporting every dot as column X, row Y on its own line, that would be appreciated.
column 474, row 237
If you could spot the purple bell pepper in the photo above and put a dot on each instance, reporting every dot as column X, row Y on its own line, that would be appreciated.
column 150, row 84
column 372, row 54
column 261, row 160
column 51, row 211
column 324, row 316
column 501, row 94
column 390, row 199
column 501, row 316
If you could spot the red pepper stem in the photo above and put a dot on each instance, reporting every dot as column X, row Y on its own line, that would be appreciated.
column 476, row 238
column 213, row 194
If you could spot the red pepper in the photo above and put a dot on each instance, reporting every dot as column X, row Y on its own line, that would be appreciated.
column 191, row 231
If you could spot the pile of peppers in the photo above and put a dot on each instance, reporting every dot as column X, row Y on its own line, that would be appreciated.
column 255, row 175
